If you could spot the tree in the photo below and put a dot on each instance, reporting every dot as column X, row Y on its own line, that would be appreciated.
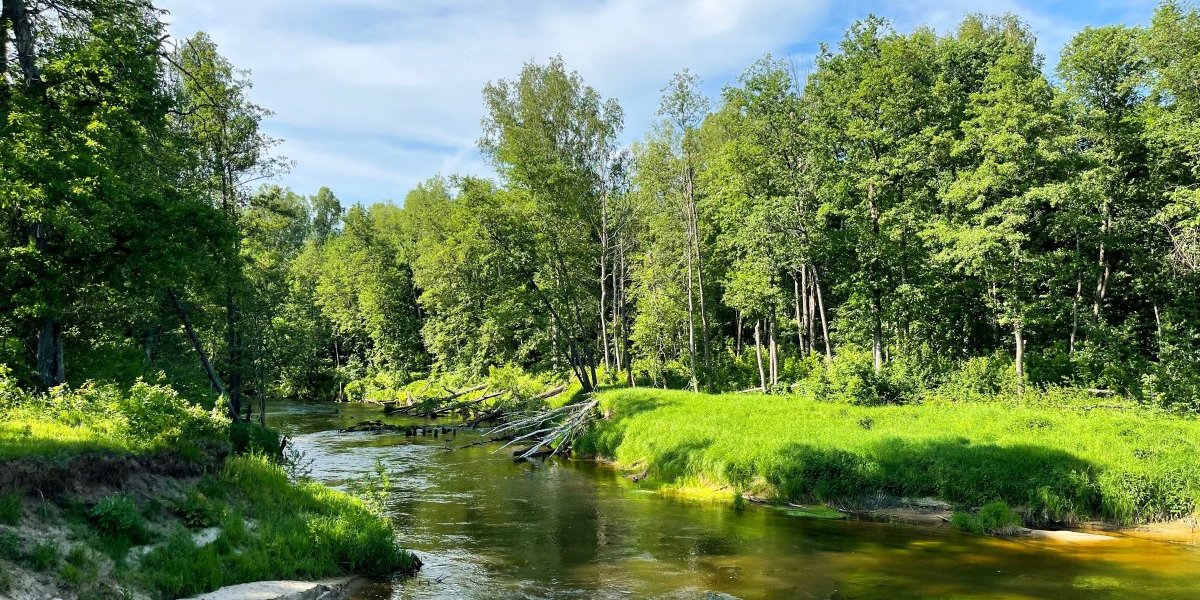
column 552, row 140
column 1000, row 205
column 229, row 153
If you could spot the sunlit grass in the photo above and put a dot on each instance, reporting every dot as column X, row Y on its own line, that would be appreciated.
column 1058, row 463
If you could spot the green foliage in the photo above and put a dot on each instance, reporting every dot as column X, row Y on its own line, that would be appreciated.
column 992, row 518
column 252, row 438
column 43, row 556
column 10, row 546
column 12, row 506
column 301, row 531
column 142, row 418
column 197, row 511
column 79, row 570
column 118, row 517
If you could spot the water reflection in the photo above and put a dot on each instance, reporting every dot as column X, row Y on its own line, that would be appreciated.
column 486, row 527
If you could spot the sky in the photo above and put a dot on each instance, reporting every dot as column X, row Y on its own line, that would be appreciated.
column 371, row 97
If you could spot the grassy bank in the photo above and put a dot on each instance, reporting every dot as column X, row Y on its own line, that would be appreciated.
column 121, row 525
column 1058, row 463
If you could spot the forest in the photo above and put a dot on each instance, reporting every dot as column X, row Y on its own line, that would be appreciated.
column 912, row 212
column 933, row 223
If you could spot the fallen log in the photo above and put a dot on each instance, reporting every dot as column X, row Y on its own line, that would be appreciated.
column 373, row 426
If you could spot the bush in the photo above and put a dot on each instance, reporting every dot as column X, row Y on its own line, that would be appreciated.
column 993, row 518
column 11, row 508
column 197, row 511
column 43, row 556
column 249, row 438
column 10, row 546
column 118, row 517
column 142, row 418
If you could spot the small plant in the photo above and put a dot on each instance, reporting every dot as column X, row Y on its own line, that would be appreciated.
column 373, row 488
column 197, row 511
column 10, row 546
column 118, row 517
column 43, row 556
column 250, row 438
column 79, row 569
column 993, row 518
column 10, row 508
column 297, row 464
column 739, row 501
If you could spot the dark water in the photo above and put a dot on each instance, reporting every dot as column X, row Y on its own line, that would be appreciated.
column 486, row 527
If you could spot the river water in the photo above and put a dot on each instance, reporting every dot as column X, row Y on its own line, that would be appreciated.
column 486, row 527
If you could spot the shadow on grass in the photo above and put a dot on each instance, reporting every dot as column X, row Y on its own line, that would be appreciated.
column 1054, row 484
column 603, row 441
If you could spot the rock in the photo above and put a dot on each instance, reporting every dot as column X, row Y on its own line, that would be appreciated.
column 1074, row 537
column 333, row 589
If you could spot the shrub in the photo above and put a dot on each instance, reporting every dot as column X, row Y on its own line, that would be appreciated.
column 43, row 556
column 10, row 546
column 197, row 511
column 11, row 508
column 249, row 438
column 118, row 517
column 993, row 518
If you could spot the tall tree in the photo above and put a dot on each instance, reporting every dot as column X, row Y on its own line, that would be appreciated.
column 552, row 139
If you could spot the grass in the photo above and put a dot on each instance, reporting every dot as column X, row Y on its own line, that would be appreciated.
column 1056, row 463
column 273, row 528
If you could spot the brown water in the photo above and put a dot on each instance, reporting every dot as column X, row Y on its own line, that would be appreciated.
column 487, row 527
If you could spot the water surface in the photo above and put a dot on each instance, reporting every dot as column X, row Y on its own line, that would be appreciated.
column 487, row 527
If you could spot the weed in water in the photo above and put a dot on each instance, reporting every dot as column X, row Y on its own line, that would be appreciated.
column 994, row 517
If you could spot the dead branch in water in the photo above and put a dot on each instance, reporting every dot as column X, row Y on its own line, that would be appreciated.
column 552, row 429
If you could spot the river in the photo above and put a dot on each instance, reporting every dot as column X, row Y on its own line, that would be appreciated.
column 486, row 527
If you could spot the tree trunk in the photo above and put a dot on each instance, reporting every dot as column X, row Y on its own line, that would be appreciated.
column 1019, row 340
column 737, row 348
column 824, row 323
column 876, row 285
column 213, row 379
column 799, row 309
column 695, row 383
column 762, row 374
column 1076, row 301
column 50, row 366
column 233, row 347
column 774, row 351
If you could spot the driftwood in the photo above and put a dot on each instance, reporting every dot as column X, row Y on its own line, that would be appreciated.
column 552, row 429
column 375, row 426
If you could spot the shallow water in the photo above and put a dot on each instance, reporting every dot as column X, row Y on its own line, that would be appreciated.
column 487, row 527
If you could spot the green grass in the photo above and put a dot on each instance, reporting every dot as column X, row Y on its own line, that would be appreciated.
column 1057, row 463
column 274, row 529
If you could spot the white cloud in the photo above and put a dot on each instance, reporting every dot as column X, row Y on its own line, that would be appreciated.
column 412, row 73
column 373, row 96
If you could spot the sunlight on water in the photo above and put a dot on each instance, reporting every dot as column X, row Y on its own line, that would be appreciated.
column 486, row 527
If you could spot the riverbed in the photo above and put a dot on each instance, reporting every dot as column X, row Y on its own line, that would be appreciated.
column 486, row 527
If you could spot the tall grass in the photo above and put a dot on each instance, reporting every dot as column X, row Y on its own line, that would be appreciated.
column 275, row 529
column 1059, row 463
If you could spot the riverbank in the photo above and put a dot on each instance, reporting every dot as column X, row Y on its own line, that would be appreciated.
column 108, row 492
column 1054, row 464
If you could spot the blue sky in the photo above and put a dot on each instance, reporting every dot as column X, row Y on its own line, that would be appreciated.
column 374, row 96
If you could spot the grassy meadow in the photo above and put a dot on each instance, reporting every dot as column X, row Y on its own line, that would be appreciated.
column 1058, row 463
